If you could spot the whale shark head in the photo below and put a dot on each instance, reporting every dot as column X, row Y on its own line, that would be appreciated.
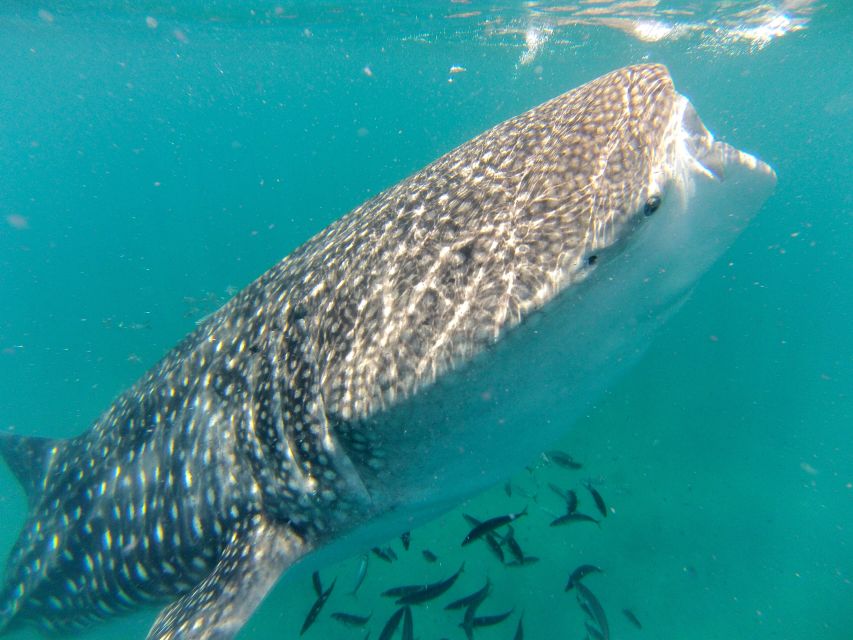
column 674, row 197
column 457, row 255
column 557, row 243
column 613, row 153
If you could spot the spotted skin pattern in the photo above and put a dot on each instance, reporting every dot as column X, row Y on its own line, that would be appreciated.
column 245, row 448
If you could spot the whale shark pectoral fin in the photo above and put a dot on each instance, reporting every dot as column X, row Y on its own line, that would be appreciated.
column 28, row 457
column 257, row 554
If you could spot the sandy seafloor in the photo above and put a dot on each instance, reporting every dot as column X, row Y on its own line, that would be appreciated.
column 156, row 157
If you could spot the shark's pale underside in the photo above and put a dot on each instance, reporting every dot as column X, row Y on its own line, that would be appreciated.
column 404, row 358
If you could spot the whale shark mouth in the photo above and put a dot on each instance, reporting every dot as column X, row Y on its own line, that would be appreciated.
column 702, row 154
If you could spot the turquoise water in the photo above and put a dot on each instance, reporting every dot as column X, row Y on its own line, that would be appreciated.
column 155, row 158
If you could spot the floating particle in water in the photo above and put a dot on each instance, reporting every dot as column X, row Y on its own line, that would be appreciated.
column 457, row 69
column 17, row 221
column 466, row 14
column 45, row 16
column 839, row 105
column 151, row 22
column 805, row 466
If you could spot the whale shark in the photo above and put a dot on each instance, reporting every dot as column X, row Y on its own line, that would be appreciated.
column 404, row 358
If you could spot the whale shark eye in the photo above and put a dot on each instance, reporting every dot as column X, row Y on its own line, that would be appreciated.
column 652, row 205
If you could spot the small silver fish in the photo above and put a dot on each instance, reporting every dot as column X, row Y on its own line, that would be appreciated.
column 491, row 620
column 514, row 548
column 519, row 629
column 476, row 597
column 563, row 459
column 573, row 517
column 632, row 618
column 360, row 574
column 391, row 626
column 491, row 524
column 430, row 591
column 316, row 608
column 579, row 573
column 591, row 603
column 599, row 501
column 351, row 619
column 408, row 624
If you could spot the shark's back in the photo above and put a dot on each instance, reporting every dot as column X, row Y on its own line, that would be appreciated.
column 434, row 269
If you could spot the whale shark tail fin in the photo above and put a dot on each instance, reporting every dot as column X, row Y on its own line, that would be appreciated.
column 28, row 457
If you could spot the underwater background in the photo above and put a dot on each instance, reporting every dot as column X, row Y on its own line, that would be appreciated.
column 155, row 157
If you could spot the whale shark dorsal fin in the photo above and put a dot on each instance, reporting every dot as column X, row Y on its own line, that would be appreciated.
column 29, row 458
column 256, row 555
